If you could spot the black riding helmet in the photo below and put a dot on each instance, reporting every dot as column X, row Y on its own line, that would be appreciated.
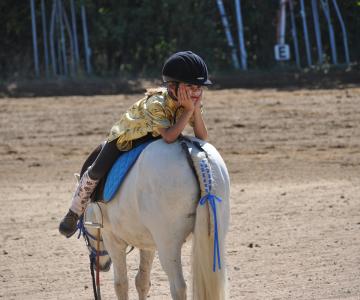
column 187, row 67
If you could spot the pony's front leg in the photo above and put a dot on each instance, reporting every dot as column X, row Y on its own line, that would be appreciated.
column 142, row 279
column 117, row 252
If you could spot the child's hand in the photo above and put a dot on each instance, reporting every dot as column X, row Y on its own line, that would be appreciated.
column 197, row 104
column 184, row 99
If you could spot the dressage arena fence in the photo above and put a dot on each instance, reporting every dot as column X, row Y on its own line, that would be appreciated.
column 61, row 44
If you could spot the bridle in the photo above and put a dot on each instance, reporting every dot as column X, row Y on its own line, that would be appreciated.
column 94, row 253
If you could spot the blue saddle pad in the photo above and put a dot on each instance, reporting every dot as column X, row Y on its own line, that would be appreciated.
column 120, row 169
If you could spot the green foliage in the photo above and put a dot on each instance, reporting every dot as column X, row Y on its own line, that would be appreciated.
column 133, row 37
column 15, row 38
column 138, row 35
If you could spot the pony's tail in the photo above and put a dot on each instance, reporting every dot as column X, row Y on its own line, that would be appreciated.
column 207, row 284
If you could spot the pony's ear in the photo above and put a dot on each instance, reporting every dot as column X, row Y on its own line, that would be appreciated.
column 77, row 177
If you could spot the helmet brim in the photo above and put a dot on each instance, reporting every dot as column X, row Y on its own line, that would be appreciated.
column 197, row 82
column 207, row 82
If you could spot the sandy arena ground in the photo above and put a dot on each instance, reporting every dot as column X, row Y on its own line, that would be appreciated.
column 294, row 161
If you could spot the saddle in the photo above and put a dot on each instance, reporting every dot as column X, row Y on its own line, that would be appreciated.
column 110, row 183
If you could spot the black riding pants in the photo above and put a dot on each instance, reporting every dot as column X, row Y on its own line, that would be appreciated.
column 108, row 155
column 103, row 162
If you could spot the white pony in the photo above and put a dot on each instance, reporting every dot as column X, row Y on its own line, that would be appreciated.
column 157, row 208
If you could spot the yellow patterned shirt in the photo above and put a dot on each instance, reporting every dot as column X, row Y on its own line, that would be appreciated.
column 156, row 110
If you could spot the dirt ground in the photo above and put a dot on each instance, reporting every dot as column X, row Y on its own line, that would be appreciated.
column 294, row 162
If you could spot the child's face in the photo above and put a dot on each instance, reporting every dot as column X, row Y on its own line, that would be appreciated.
column 194, row 91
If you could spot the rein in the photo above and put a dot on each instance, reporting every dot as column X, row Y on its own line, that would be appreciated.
column 87, row 237
column 93, row 255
